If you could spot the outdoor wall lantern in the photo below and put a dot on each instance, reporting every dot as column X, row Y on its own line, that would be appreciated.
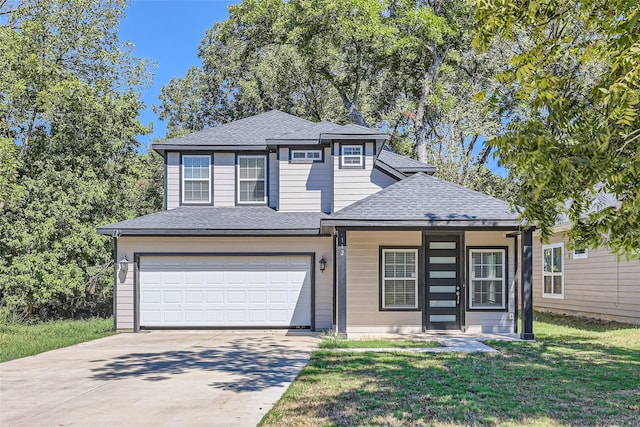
column 323, row 264
column 124, row 264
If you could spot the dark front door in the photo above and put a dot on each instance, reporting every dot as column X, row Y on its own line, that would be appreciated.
column 444, row 282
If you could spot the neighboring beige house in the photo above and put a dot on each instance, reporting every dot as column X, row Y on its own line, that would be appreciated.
column 275, row 221
column 591, row 283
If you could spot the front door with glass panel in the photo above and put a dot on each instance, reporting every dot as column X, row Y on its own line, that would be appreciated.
column 443, row 282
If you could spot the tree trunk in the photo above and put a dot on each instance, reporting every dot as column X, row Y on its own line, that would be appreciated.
column 419, row 121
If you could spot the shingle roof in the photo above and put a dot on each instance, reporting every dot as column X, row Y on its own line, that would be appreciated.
column 194, row 220
column 327, row 130
column 422, row 200
column 250, row 131
column 404, row 164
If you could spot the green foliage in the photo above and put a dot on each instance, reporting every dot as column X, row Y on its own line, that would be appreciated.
column 69, row 113
column 396, row 65
column 574, row 374
column 578, row 75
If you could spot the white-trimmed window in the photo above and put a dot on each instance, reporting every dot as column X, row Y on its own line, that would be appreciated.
column 196, row 179
column 399, row 278
column 252, row 181
column 553, row 271
column 580, row 253
column 306, row 155
column 487, row 278
column 351, row 155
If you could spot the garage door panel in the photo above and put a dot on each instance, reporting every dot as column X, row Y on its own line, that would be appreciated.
column 194, row 297
column 151, row 297
column 225, row 291
column 172, row 316
column 257, row 297
column 215, row 297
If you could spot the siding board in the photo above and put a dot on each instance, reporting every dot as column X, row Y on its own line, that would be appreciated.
column 173, row 180
column 597, row 286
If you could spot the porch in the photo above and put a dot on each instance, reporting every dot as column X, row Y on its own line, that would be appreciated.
column 423, row 280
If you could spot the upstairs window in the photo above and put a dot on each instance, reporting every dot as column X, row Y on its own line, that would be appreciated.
column 196, row 179
column 553, row 271
column 306, row 155
column 351, row 156
column 252, row 182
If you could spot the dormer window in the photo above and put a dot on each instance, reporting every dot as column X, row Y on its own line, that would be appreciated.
column 351, row 156
column 196, row 179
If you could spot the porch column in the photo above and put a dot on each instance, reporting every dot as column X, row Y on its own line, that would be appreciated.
column 527, row 284
column 342, row 281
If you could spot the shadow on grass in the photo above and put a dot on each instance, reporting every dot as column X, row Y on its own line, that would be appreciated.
column 537, row 383
column 243, row 364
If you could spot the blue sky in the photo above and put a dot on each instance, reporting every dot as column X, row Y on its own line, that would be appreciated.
column 168, row 33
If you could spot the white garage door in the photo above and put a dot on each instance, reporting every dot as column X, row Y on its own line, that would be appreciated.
column 225, row 291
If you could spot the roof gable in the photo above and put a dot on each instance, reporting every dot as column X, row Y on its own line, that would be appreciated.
column 250, row 132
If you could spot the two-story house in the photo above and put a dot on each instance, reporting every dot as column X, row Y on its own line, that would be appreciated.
column 276, row 221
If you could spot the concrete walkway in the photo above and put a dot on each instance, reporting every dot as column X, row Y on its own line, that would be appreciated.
column 159, row 378
column 449, row 342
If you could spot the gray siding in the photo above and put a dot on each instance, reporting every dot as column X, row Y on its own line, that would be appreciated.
column 597, row 286
column 224, row 179
column 492, row 321
column 274, row 171
column 363, row 283
column 353, row 184
column 321, row 246
column 173, row 180
column 305, row 187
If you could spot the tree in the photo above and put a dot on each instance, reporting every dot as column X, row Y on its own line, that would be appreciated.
column 579, row 76
column 68, row 121
column 400, row 65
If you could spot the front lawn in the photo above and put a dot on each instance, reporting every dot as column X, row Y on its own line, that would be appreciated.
column 18, row 340
column 576, row 373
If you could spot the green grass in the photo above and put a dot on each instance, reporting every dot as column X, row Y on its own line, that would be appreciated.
column 577, row 372
column 18, row 340
column 333, row 342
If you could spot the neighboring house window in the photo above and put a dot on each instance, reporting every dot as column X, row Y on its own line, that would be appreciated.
column 488, row 278
column 351, row 155
column 580, row 253
column 399, row 278
column 306, row 155
column 553, row 271
column 252, row 179
column 196, row 179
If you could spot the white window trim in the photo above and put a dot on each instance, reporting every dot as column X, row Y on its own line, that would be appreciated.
column 238, row 180
column 504, row 278
column 545, row 274
column 584, row 255
column 306, row 158
column 359, row 157
column 384, row 280
column 208, row 179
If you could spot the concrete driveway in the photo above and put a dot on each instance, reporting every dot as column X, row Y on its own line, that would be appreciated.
column 190, row 378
